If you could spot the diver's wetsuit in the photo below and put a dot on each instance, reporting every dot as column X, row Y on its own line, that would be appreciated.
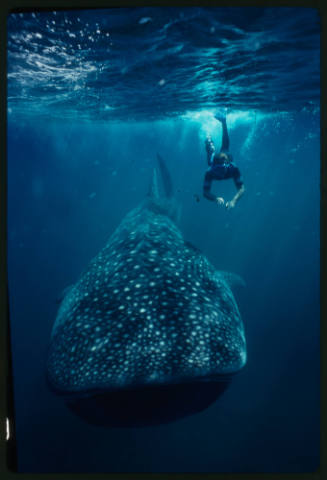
column 220, row 171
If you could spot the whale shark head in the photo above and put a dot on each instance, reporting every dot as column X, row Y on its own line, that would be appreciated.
column 149, row 312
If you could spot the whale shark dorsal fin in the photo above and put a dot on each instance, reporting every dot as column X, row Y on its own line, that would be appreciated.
column 154, row 189
column 165, row 176
column 232, row 279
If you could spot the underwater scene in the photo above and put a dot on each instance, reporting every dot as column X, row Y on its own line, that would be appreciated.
column 164, row 239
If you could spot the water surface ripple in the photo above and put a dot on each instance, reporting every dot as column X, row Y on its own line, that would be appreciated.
column 150, row 63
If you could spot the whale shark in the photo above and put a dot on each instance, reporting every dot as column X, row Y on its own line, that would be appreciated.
column 151, row 331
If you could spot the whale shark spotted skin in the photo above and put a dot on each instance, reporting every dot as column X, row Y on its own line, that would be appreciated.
column 149, row 310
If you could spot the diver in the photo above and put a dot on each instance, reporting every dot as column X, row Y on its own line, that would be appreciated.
column 221, row 167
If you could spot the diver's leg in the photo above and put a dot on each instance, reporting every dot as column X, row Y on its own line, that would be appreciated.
column 225, row 140
column 210, row 149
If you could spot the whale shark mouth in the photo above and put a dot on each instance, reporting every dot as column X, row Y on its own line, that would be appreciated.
column 139, row 387
column 147, row 406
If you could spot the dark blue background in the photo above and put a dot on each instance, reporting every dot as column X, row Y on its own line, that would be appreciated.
column 69, row 185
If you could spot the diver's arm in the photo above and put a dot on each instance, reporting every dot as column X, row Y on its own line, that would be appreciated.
column 240, row 189
column 238, row 195
column 207, row 187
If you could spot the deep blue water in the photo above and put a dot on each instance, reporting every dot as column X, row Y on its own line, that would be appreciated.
column 82, row 141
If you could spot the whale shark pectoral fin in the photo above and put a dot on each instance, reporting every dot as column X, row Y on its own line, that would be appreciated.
column 166, row 177
column 232, row 279
column 63, row 293
column 192, row 247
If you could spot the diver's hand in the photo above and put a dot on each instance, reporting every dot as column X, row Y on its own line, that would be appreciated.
column 230, row 204
column 220, row 201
